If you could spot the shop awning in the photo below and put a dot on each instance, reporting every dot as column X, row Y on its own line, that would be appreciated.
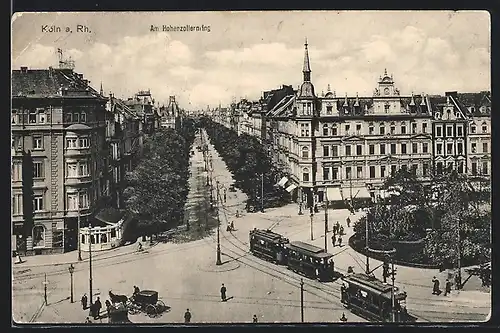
column 333, row 194
column 282, row 181
column 291, row 188
column 360, row 193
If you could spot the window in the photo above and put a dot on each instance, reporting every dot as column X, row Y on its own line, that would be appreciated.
column 305, row 175
column 71, row 142
column 425, row 169
column 473, row 147
column 393, row 129
column 381, row 129
column 449, row 131
column 414, row 169
column 359, row 150
column 38, row 203
column 305, row 152
column 372, row 172
column 485, row 147
column 17, row 204
column 334, row 130
column 425, row 147
column 83, row 169
column 439, row 131
column 325, row 130
column 382, row 171
column 84, row 200
column 17, row 171
column 393, row 148
column 424, row 128
column 439, row 148
column 403, row 148
column 382, row 149
column 38, row 142
column 14, row 117
column 39, row 236
column 42, row 117
column 71, row 170
column 358, row 128
column 347, row 128
column 326, row 151
column 474, row 168
column 326, row 173
column 473, row 128
column 460, row 168
column 394, row 169
column 113, row 233
column 32, row 117
column 348, row 172
column 449, row 148
column 460, row 130
column 335, row 151
column 414, row 128
column 460, row 148
column 347, row 150
column 83, row 117
column 484, row 128
column 84, row 142
column 414, row 148
column 72, row 201
column 370, row 129
column 335, row 173
column 371, row 149
column 439, row 167
column 38, row 169
column 403, row 129
column 67, row 117
column 386, row 108
column 485, row 168
column 359, row 171
column 328, row 109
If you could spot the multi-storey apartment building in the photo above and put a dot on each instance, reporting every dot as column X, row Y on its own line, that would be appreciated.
column 171, row 115
column 143, row 105
column 58, row 157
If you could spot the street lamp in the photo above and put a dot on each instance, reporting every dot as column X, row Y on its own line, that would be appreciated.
column 71, row 269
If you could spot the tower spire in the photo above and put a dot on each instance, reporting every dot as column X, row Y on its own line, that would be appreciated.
column 101, row 91
column 307, row 67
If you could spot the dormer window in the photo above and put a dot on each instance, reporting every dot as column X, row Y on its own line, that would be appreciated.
column 329, row 109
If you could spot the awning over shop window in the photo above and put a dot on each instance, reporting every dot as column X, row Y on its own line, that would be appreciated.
column 333, row 194
column 282, row 181
column 360, row 193
column 291, row 188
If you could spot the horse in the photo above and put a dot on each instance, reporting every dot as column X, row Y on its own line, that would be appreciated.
column 118, row 298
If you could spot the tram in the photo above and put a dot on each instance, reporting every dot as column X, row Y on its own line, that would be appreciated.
column 371, row 298
column 309, row 260
column 268, row 245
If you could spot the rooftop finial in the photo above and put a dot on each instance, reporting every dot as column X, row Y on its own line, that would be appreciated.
column 412, row 102
column 328, row 88
column 385, row 71
column 306, row 43
column 101, row 91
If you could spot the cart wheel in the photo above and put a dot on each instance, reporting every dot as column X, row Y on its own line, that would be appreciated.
column 151, row 310
column 161, row 306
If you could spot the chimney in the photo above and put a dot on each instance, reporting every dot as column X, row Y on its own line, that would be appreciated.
column 24, row 69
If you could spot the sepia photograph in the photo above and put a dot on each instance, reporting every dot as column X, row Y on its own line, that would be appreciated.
column 251, row 167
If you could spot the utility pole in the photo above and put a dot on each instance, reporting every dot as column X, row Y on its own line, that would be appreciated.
column 301, row 300
column 312, row 216
column 45, row 289
column 90, row 261
column 262, row 194
column 219, row 261
column 392, row 292
column 326, row 222
column 367, row 248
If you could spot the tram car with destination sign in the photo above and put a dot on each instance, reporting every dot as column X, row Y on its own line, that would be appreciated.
column 310, row 261
column 370, row 298
column 268, row 245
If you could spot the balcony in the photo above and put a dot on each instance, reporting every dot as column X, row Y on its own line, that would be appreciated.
column 71, row 151
column 75, row 181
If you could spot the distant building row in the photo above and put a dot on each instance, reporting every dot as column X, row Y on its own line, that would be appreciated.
column 71, row 148
column 343, row 147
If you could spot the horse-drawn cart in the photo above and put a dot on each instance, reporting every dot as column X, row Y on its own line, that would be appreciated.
column 146, row 301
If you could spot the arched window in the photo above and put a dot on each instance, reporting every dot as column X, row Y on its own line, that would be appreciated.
column 305, row 152
column 305, row 174
column 334, row 130
column 39, row 236
column 393, row 128
column 473, row 128
column 370, row 128
column 381, row 129
column 325, row 130
column 484, row 127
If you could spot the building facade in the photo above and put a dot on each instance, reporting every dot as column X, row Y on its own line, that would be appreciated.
column 59, row 157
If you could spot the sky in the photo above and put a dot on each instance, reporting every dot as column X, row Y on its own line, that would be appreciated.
column 246, row 53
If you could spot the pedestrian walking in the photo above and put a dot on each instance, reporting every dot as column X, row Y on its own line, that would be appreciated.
column 187, row 316
column 254, row 320
column 108, row 307
column 447, row 287
column 343, row 318
column 348, row 221
column 84, row 301
column 340, row 241
column 435, row 288
column 341, row 231
column 223, row 293
column 337, row 226
column 333, row 240
column 97, row 308
column 232, row 226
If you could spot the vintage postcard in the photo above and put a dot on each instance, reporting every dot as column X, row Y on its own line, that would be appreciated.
column 251, row 167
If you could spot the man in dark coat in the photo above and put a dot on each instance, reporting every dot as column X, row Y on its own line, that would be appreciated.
column 84, row 302
column 435, row 289
column 333, row 240
column 97, row 308
column 223, row 293
column 348, row 221
column 447, row 287
column 340, row 241
column 187, row 316
column 255, row 320
column 341, row 231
